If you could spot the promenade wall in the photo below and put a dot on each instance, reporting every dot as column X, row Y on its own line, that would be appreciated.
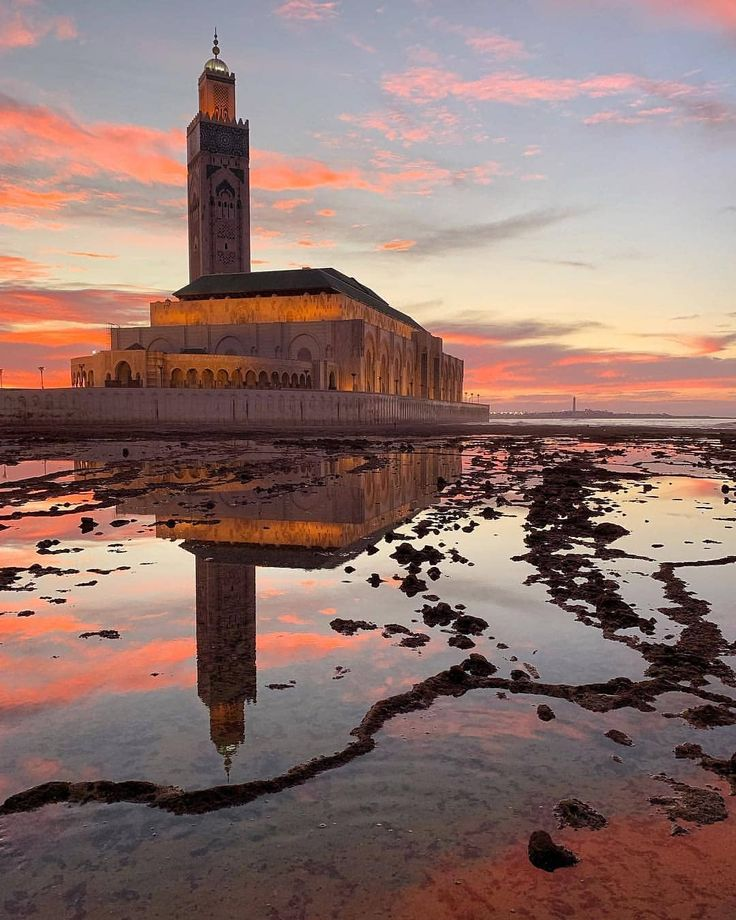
column 278, row 409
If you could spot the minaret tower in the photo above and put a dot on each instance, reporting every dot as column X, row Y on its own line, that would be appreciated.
column 218, row 163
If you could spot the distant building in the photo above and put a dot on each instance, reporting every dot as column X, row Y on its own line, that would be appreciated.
column 233, row 328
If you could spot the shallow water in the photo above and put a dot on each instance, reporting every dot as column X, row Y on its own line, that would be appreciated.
column 220, row 567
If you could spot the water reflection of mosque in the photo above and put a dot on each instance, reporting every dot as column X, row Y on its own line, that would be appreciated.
column 231, row 527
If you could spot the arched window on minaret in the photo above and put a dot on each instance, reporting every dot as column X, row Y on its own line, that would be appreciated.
column 225, row 201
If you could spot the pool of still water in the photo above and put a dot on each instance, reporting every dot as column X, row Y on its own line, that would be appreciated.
column 220, row 578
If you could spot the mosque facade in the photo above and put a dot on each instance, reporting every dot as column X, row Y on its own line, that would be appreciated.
column 308, row 328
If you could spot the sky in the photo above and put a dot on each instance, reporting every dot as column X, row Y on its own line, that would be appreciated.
column 550, row 185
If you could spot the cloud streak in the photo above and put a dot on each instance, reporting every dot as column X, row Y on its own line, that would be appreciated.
column 474, row 236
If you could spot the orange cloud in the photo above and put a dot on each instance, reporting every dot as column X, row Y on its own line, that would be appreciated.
column 316, row 244
column 23, row 25
column 326, row 212
column 277, row 172
column 397, row 245
column 16, row 268
column 289, row 204
column 122, row 151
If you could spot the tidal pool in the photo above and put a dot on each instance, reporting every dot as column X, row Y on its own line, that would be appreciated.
column 301, row 678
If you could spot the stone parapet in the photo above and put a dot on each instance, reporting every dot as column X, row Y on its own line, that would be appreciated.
column 275, row 409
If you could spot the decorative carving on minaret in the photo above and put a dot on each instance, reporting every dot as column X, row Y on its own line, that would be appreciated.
column 218, row 162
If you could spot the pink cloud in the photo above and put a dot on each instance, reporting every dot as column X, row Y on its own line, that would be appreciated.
column 308, row 10
column 436, row 123
column 484, row 41
column 24, row 24
column 704, row 12
column 430, row 84
column 326, row 212
column 721, row 12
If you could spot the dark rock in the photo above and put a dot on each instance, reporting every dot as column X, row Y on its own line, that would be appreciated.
column 374, row 580
column 394, row 629
column 440, row 615
column 414, row 640
column 470, row 625
column 545, row 854
column 478, row 665
column 545, row 713
column 412, row 585
column 350, row 627
column 577, row 814
column 87, row 524
column 690, row 803
column 619, row 737
column 607, row 532
column 709, row 716
column 461, row 642
column 102, row 633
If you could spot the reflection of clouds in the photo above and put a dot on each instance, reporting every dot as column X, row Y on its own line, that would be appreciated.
column 281, row 650
column 99, row 668
column 40, row 626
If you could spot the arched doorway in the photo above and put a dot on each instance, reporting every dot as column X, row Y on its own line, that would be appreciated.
column 123, row 374
column 223, row 380
column 250, row 379
column 332, row 384
column 284, row 380
column 275, row 380
column 263, row 381
column 177, row 377
column 208, row 379
column 192, row 378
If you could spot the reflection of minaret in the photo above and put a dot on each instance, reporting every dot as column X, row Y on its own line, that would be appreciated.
column 226, row 645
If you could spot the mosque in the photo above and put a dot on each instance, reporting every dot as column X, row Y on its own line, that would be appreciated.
column 309, row 328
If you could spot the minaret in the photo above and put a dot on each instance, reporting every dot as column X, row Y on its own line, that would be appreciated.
column 218, row 164
column 226, row 644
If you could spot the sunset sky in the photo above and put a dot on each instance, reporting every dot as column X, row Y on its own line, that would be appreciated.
column 548, row 184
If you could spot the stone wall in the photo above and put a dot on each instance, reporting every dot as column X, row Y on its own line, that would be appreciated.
column 282, row 409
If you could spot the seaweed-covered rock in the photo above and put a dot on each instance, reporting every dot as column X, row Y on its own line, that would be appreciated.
column 545, row 854
column 577, row 814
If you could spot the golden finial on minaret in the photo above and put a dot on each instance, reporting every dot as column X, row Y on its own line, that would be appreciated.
column 216, row 45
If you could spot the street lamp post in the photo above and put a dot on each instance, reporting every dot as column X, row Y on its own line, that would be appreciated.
column 41, row 370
